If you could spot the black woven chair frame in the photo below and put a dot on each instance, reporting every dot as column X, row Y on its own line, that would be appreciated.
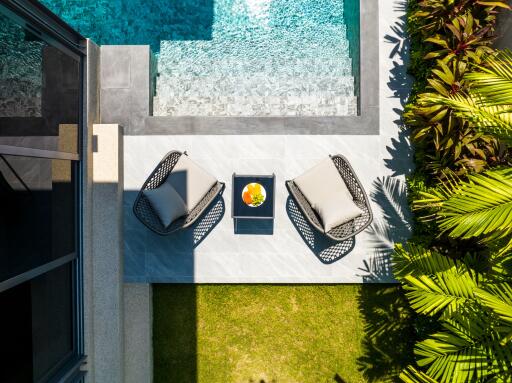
column 346, row 230
column 145, row 213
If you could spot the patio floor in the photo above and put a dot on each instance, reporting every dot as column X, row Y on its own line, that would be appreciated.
column 211, row 252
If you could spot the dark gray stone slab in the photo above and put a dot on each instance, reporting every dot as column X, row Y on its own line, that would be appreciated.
column 126, row 95
column 361, row 125
column 115, row 66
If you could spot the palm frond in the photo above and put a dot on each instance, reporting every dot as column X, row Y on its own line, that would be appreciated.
column 493, row 80
column 445, row 292
column 463, row 351
column 452, row 358
column 498, row 298
column 482, row 206
column 493, row 119
column 413, row 375
column 415, row 260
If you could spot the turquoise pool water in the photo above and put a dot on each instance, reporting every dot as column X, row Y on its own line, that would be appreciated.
column 236, row 57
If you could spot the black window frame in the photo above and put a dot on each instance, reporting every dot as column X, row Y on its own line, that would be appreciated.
column 35, row 17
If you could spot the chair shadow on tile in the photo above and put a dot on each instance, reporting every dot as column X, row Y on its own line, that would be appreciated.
column 208, row 221
column 153, row 258
column 326, row 249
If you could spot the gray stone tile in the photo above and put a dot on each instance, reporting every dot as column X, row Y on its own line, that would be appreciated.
column 116, row 107
column 115, row 66
column 140, row 67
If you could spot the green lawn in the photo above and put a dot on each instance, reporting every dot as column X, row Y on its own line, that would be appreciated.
column 278, row 333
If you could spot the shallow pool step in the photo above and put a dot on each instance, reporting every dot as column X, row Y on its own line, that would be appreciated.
column 281, row 66
column 257, row 106
column 257, row 85
column 280, row 43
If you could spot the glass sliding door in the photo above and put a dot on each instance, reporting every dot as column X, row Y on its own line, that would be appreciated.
column 39, row 197
column 41, row 77
column 39, row 91
column 37, row 327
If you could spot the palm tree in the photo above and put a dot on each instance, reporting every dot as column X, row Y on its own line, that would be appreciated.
column 475, row 310
column 482, row 206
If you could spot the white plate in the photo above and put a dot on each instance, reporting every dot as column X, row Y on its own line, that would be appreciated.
column 263, row 193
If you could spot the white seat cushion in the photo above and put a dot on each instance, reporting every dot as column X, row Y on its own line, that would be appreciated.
column 191, row 181
column 327, row 194
column 166, row 202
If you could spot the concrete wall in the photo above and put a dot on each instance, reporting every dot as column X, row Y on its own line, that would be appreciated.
column 117, row 316
column 107, row 250
column 92, row 116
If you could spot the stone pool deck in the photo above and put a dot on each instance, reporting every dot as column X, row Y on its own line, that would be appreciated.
column 211, row 252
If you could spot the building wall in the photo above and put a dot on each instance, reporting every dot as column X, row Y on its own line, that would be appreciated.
column 118, row 316
column 92, row 117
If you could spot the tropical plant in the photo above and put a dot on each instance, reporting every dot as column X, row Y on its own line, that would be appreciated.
column 433, row 15
column 478, row 208
column 487, row 104
column 461, row 119
column 468, row 38
column 475, row 311
column 448, row 141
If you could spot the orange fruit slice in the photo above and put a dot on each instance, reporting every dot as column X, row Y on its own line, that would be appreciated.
column 247, row 197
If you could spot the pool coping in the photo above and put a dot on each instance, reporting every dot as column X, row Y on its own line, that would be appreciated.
column 366, row 123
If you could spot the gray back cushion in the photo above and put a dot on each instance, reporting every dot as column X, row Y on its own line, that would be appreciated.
column 167, row 203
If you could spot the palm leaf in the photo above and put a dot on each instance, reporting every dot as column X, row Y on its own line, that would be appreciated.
column 480, row 207
column 462, row 352
column 498, row 298
column 412, row 375
column 451, row 358
column 493, row 119
column 493, row 80
column 444, row 292
column 415, row 260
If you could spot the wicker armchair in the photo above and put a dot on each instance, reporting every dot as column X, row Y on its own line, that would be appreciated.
column 346, row 230
column 145, row 213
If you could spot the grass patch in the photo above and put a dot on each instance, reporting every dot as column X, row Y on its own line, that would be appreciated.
column 276, row 333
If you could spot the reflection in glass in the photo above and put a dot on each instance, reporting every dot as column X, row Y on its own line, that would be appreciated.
column 38, row 212
column 36, row 326
column 39, row 92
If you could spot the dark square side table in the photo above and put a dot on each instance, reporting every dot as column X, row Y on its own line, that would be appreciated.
column 253, row 219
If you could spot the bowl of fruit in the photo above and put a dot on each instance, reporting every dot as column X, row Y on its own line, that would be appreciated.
column 254, row 194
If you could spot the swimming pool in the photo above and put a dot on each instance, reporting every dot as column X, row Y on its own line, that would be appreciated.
column 236, row 57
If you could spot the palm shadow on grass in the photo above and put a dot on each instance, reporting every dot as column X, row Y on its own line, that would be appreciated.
column 389, row 332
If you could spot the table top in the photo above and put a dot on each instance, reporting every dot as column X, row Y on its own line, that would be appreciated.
column 239, row 209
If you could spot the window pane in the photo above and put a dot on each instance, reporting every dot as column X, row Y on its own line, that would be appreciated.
column 36, row 326
column 37, row 221
column 39, row 91
column 52, row 320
